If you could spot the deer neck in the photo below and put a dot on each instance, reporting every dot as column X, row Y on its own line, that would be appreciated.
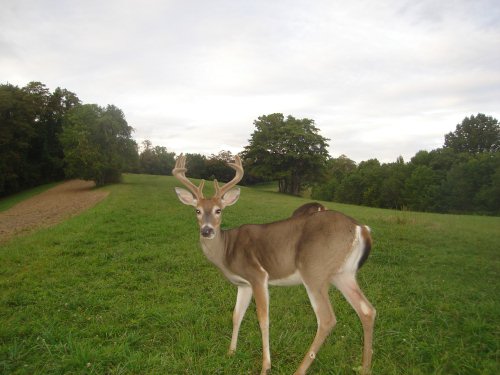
column 215, row 248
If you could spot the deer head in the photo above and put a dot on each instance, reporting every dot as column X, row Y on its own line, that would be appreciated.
column 208, row 210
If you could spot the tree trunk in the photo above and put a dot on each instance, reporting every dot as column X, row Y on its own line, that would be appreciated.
column 295, row 185
column 282, row 186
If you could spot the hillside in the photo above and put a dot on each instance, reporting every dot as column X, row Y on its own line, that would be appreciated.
column 123, row 289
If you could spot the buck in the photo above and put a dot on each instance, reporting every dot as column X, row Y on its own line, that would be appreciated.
column 314, row 249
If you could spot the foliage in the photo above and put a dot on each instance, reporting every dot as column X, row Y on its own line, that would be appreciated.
column 34, row 125
column 47, row 136
column 472, row 186
column 289, row 150
column 30, row 123
column 217, row 168
column 421, row 189
column 125, row 289
column 97, row 143
column 156, row 160
column 336, row 170
column 197, row 165
column 462, row 177
column 475, row 135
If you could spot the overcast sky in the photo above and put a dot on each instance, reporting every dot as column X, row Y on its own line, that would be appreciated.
column 380, row 78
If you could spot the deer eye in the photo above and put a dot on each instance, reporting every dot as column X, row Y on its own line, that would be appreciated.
column 198, row 212
column 218, row 211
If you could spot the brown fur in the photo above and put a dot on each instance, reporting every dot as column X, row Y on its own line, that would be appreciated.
column 314, row 247
column 309, row 208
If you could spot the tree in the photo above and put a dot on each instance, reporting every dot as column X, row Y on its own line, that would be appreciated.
column 289, row 150
column 371, row 174
column 30, row 123
column 337, row 169
column 97, row 143
column 362, row 185
column 146, row 158
column 51, row 151
column 16, row 133
column 488, row 195
column 421, row 189
column 351, row 189
column 341, row 167
column 472, row 185
column 156, row 160
column 197, row 165
column 476, row 134
column 165, row 160
column 391, row 185
column 48, row 112
column 217, row 168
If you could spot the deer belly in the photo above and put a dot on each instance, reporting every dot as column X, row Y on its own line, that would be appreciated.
column 293, row 279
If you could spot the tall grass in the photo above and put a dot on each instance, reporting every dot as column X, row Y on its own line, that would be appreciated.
column 124, row 289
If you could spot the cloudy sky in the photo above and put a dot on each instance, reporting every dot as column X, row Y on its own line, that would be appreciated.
column 380, row 78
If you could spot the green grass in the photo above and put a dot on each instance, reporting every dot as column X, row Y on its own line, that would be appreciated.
column 125, row 289
column 8, row 202
column 266, row 186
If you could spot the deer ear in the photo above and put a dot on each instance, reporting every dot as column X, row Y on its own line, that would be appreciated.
column 231, row 197
column 186, row 197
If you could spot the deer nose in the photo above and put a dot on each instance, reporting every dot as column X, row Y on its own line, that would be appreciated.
column 207, row 231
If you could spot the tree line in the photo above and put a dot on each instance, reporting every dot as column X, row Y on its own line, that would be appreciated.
column 48, row 136
column 462, row 176
column 157, row 160
column 287, row 150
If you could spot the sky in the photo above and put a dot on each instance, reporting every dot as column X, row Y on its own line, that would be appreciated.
column 381, row 79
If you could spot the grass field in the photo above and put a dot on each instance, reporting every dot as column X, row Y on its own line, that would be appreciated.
column 125, row 289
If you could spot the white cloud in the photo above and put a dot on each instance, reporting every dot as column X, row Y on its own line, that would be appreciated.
column 381, row 79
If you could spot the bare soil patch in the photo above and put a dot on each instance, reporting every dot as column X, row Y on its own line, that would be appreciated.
column 49, row 208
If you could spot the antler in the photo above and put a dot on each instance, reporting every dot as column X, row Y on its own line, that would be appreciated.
column 238, row 167
column 179, row 172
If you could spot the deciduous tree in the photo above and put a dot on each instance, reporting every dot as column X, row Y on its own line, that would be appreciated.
column 474, row 135
column 97, row 143
column 289, row 150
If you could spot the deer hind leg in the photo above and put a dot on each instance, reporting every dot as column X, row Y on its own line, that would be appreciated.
column 242, row 301
column 349, row 287
column 318, row 295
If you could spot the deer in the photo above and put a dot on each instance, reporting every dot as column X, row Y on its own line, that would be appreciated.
column 316, row 250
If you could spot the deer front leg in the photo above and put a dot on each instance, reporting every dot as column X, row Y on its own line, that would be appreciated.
column 242, row 301
column 261, row 295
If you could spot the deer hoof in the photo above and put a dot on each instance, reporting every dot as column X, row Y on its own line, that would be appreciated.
column 361, row 370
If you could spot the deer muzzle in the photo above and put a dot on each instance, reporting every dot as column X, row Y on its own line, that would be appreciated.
column 207, row 232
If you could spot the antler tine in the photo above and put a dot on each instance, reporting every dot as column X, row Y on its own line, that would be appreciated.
column 179, row 172
column 217, row 188
column 238, row 167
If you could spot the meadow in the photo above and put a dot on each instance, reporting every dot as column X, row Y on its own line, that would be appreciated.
column 124, row 289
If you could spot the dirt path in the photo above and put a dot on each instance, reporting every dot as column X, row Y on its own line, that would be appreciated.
column 49, row 208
